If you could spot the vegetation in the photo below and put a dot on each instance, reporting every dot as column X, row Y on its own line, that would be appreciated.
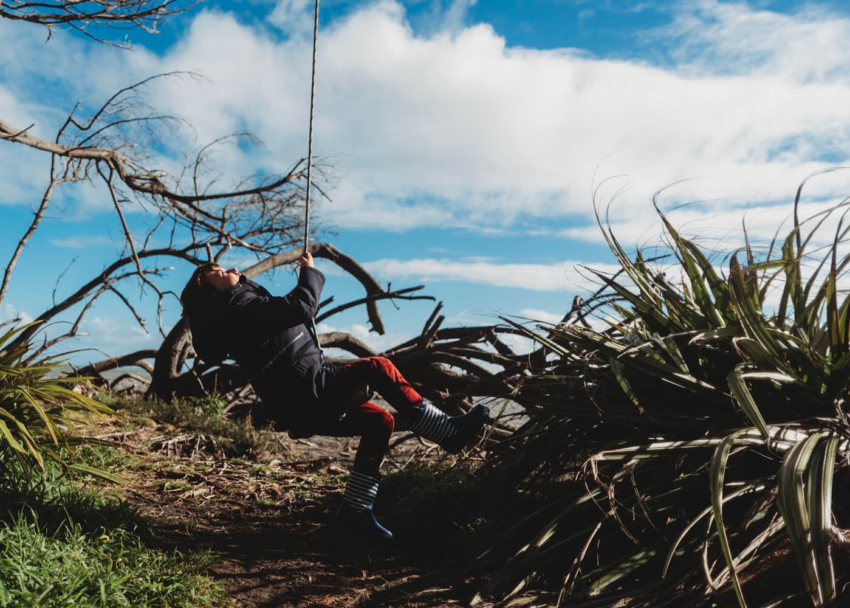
column 690, row 450
column 204, row 417
column 439, row 509
column 39, row 412
column 65, row 543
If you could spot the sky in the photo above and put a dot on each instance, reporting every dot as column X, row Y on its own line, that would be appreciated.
column 470, row 141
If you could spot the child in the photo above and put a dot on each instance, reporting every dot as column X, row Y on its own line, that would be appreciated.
column 270, row 337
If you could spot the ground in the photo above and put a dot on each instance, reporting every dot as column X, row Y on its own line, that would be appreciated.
column 270, row 520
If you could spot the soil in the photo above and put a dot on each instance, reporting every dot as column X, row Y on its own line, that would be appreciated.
column 271, row 522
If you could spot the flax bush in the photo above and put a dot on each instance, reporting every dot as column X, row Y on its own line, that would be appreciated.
column 695, row 452
column 39, row 411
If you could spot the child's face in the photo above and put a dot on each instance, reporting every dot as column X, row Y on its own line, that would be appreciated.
column 221, row 279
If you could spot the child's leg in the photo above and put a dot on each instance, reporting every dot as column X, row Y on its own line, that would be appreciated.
column 452, row 434
column 374, row 425
column 383, row 376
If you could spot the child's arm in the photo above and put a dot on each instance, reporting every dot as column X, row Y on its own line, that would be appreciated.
column 279, row 312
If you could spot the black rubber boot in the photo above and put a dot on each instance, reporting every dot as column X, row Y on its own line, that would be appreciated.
column 450, row 433
column 466, row 427
column 361, row 523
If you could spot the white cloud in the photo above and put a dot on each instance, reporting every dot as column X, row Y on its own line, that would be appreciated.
column 454, row 127
column 562, row 276
column 20, row 169
column 377, row 342
column 479, row 134
column 107, row 332
column 719, row 225
column 82, row 242
column 731, row 37
column 541, row 315
column 9, row 312
column 293, row 17
column 455, row 15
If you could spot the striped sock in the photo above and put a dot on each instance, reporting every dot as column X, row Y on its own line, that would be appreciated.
column 433, row 424
column 360, row 491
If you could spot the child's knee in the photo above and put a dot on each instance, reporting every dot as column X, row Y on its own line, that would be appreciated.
column 386, row 421
column 381, row 363
column 377, row 419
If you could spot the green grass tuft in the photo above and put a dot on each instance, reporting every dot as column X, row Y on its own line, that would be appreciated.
column 203, row 415
column 64, row 541
column 438, row 509
column 71, row 567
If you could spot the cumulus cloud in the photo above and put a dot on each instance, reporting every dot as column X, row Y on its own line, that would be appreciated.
column 454, row 127
column 541, row 315
column 81, row 242
column 377, row 342
column 293, row 17
column 562, row 276
column 9, row 312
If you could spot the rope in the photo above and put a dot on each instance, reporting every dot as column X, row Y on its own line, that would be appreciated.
column 309, row 184
column 310, row 150
column 310, row 138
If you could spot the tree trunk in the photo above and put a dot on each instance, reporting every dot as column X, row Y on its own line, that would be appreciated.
column 166, row 379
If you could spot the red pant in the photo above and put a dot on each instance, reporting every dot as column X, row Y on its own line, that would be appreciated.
column 371, row 422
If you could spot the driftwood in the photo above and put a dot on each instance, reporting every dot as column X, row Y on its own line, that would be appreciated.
column 450, row 366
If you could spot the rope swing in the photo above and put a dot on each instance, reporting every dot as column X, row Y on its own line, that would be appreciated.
column 310, row 150
column 310, row 130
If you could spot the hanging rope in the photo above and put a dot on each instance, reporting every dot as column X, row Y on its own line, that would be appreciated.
column 310, row 130
column 310, row 149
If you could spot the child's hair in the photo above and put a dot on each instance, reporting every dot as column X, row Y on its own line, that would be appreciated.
column 198, row 288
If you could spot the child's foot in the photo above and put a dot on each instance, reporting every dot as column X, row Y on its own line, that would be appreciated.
column 362, row 523
column 466, row 427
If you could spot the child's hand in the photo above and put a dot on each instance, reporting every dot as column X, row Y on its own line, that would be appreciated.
column 306, row 260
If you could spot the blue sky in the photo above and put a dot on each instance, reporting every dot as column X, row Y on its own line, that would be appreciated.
column 464, row 137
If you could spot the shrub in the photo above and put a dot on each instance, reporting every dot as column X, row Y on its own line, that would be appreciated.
column 712, row 423
column 438, row 509
column 37, row 412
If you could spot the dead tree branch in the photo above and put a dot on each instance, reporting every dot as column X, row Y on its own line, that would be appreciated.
column 137, row 359
column 83, row 15
column 397, row 294
column 37, row 217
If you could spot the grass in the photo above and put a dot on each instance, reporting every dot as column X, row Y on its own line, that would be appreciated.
column 203, row 415
column 70, row 567
column 64, row 541
column 438, row 509
column 55, row 497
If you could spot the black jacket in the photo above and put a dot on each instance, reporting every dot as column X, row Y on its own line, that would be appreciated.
column 270, row 337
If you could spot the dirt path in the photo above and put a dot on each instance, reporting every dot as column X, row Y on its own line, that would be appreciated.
column 271, row 524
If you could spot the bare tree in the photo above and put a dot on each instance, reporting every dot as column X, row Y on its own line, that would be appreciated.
column 87, row 16
column 259, row 214
column 193, row 219
column 114, row 146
